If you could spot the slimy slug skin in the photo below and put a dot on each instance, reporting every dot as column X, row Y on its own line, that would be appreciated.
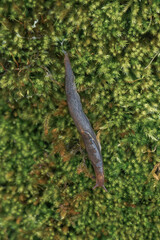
column 82, row 123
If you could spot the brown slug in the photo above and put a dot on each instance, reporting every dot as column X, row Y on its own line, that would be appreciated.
column 82, row 123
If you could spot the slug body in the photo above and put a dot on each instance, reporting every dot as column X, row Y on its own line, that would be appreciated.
column 82, row 123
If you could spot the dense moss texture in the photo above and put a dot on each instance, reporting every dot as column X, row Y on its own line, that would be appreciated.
column 46, row 190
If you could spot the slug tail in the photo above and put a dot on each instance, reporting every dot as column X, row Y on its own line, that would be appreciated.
column 64, row 52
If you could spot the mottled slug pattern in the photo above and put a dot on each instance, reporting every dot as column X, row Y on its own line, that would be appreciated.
column 82, row 123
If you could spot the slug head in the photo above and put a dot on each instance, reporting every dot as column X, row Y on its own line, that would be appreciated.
column 100, row 186
column 100, row 182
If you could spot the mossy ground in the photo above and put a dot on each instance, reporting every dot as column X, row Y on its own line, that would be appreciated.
column 46, row 193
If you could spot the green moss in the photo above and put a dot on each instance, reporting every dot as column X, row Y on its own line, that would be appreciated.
column 45, row 192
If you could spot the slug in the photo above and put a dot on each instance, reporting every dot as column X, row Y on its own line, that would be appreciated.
column 82, row 123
